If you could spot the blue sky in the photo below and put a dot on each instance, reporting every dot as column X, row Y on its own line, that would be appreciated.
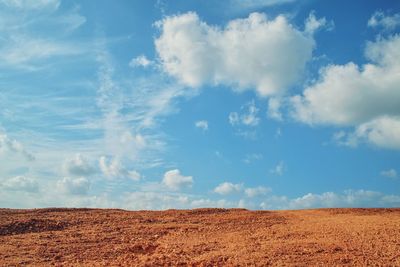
column 261, row 104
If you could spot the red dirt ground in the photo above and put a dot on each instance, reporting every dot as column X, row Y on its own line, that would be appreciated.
column 200, row 237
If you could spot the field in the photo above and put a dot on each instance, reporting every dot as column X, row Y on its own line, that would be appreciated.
column 199, row 237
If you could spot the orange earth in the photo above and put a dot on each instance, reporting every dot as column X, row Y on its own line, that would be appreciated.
column 199, row 237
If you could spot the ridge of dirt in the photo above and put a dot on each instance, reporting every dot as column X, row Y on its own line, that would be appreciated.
column 199, row 237
column 31, row 226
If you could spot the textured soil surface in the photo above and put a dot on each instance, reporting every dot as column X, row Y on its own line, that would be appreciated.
column 200, row 237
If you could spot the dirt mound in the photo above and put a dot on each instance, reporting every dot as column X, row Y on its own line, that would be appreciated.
column 31, row 226
column 200, row 237
column 206, row 211
column 361, row 211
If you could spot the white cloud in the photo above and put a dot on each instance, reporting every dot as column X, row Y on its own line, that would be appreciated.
column 209, row 203
column 233, row 118
column 74, row 186
column 20, row 183
column 78, row 165
column 387, row 22
column 274, row 108
column 392, row 173
column 259, row 53
column 162, row 201
column 9, row 145
column 154, row 201
column 227, row 188
column 249, row 158
column 203, row 124
column 248, row 117
column 257, row 191
column 127, row 136
column 249, row 135
column 113, row 168
column 349, row 198
column 366, row 97
column 21, row 51
column 174, row 180
column 313, row 24
column 140, row 61
column 279, row 169
column 31, row 4
column 23, row 48
column 383, row 132
column 71, row 20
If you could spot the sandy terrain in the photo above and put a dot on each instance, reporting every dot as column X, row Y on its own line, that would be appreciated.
column 201, row 237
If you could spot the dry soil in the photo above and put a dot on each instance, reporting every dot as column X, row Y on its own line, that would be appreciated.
column 200, row 237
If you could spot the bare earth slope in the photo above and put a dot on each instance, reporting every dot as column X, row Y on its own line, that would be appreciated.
column 200, row 237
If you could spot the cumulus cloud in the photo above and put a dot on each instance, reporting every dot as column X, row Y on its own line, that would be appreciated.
column 257, row 191
column 74, row 186
column 383, row 132
column 203, row 124
column 313, row 24
column 9, row 145
column 391, row 173
column 209, row 203
column 365, row 97
column 174, row 180
column 113, row 168
column 140, row 61
column 78, row 166
column 227, row 188
column 248, row 117
column 162, row 201
column 257, row 52
column 348, row 198
column 154, row 201
column 21, row 183
column 380, row 20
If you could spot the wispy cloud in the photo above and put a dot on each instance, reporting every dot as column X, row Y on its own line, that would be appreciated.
column 391, row 173
column 385, row 21
column 203, row 124
column 250, row 158
column 140, row 61
column 253, row 4
column 31, row 4
column 279, row 169
column 24, row 47
column 23, row 50
column 247, row 118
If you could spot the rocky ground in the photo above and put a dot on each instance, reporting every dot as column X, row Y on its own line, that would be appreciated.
column 200, row 237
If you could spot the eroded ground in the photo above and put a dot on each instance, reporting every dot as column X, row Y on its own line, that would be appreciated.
column 202, row 237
